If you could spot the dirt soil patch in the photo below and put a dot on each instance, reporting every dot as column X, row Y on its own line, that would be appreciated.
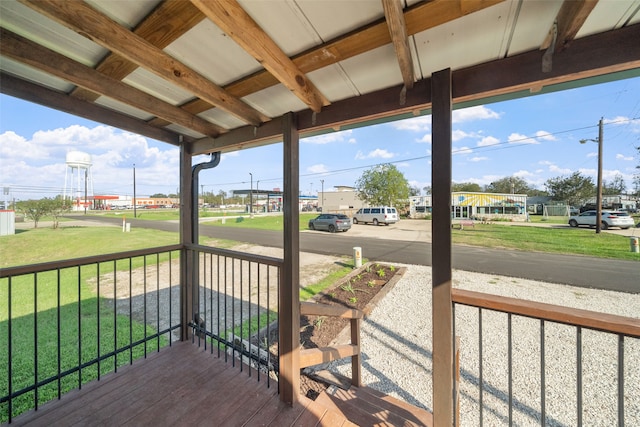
column 361, row 289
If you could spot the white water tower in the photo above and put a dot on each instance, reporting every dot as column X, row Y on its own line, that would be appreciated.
column 78, row 181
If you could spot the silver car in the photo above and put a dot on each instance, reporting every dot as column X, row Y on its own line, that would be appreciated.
column 609, row 219
column 330, row 222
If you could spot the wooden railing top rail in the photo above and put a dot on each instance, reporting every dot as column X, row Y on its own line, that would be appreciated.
column 75, row 262
column 310, row 308
column 570, row 316
column 277, row 262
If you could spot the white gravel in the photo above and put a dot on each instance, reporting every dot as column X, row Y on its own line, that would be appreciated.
column 396, row 347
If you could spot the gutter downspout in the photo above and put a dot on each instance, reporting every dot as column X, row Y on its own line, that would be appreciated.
column 195, row 170
column 198, row 325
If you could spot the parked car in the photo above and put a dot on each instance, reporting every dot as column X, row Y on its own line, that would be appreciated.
column 376, row 215
column 330, row 222
column 609, row 219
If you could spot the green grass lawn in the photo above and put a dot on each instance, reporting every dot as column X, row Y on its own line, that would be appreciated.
column 97, row 329
column 565, row 240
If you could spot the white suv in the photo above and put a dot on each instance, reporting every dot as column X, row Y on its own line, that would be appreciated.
column 609, row 219
column 376, row 215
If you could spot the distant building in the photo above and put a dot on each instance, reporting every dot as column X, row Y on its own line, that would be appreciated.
column 343, row 199
column 481, row 206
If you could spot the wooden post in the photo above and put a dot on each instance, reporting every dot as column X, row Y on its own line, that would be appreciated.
column 186, row 237
column 442, row 322
column 289, row 311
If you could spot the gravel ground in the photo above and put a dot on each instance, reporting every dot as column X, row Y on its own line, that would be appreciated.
column 397, row 360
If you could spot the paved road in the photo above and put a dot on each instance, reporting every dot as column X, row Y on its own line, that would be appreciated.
column 409, row 243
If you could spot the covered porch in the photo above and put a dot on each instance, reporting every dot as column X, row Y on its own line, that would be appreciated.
column 298, row 71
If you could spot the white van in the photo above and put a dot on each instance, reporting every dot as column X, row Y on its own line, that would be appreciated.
column 377, row 215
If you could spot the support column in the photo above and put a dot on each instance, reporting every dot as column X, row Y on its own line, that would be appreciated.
column 442, row 321
column 186, row 237
column 289, row 299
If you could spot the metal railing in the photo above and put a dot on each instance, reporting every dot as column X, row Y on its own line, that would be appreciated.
column 527, row 363
column 236, row 307
column 65, row 323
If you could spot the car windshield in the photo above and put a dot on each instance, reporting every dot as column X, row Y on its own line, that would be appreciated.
column 342, row 217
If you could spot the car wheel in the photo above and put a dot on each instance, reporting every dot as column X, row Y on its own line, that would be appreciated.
column 312, row 227
column 605, row 226
column 355, row 220
column 573, row 223
column 375, row 221
column 332, row 228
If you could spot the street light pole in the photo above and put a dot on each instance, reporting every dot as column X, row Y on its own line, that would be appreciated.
column 599, row 183
column 251, row 197
column 134, row 191
column 322, row 201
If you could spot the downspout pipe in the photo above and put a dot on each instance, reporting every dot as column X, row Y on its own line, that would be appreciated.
column 199, row 326
column 195, row 170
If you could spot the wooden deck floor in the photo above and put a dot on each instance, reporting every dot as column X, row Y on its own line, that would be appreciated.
column 186, row 385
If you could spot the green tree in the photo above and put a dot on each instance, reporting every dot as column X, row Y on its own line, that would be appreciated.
column 414, row 191
column 159, row 196
column 383, row 185
column 470, row 187
column 615, row 187
column 55, row 208
column 35, row 210
column 509, row 185
column 574, row 189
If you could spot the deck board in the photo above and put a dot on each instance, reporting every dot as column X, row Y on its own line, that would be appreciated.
column 187, row 385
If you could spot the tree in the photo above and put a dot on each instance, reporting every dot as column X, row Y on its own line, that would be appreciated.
column 55, row 208
column 159, row 196
column 470, row 187
column 574, row 189
column 615, row 187
column 414, row 191
column 427, row 189
column 383, row 185
column 35, row 210
column 509, row 185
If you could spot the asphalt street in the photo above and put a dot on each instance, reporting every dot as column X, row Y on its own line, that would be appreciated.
column 407, row 244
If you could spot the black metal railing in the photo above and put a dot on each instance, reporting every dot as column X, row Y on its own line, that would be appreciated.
column 236, row 307
column 65, row 323
column 528, row 363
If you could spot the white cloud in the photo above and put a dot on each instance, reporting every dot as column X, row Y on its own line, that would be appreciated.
column 415, row 124
column 479, row 112
column 378, row 153
column 328, row 138
column 113, row 154
column 319, row 168
column 623, row 157
column 523, row 174
column 462, row 150
column 552, row 167
column 478, row 159
column 592, row 154
column 425, row 139
column 518, row 138
column 488, row 141
column 545, row 136
column 458, row 134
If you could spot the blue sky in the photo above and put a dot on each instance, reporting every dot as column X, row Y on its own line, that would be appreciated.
column 534, row 138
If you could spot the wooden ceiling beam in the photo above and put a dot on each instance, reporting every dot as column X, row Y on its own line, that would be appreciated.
column 237, row 24
column 592, row 56
column 419, row 17
column 101, row 29
column 570, row 18
column 37, row 94
column 398, row 32
column 48, row 61
column 165, row 24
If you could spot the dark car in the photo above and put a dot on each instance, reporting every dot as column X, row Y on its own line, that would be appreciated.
column 330, row 222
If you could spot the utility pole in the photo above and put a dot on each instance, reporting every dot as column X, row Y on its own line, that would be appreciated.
column 134, row 191
column 599, row 183
column 251, row 197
